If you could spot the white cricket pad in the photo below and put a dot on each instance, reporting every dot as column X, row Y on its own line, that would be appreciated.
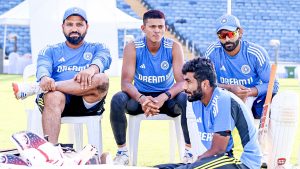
column 282, row 128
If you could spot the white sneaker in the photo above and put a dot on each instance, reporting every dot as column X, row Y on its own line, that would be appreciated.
column 122, row 158
column 23, row 90
column 188, row 157
column 85, row 155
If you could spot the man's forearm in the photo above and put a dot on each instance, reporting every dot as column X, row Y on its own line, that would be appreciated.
column 225, row 86
column 41, row 72
column 95, row 68
column 209, row 153
column 175, row 89
column 131, row 90
column 253, row 92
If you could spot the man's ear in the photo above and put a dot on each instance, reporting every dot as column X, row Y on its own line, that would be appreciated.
column 241, row 31
column 143, row 27
column 205, row 84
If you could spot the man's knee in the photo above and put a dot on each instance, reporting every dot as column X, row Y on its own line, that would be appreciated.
column 54, row 98
column 119, row 98
column 257, row 106
column 177, row 106
column 118, row 102
column 180, row 106
column 103, row 82
column 181, row 99
column 117, row 111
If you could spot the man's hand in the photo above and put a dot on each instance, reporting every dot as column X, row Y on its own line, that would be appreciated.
column 47, row 84
column 241, row 91
column 148, row 106
column 84, row 77
column 161, row 100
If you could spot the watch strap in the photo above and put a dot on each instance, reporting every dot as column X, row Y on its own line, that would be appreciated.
column 168, row 94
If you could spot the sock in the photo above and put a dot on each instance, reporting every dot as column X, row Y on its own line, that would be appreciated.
column 89, row 105
column 187, row 148
column 37, row 88
column 123, row 148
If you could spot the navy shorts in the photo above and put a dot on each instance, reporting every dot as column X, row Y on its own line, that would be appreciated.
column 258, row 106
column 75, row 106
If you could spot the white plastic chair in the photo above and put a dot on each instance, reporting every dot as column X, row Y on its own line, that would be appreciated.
column 93, row 123
column 22, row 62
column 94, row 130
column 13, row 61
column 134, row 130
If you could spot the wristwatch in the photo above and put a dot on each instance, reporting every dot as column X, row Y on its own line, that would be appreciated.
column 168, row 94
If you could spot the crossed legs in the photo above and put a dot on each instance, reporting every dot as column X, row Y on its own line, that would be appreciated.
column 55, row 101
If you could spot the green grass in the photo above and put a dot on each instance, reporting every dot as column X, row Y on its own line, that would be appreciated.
column 154, row 135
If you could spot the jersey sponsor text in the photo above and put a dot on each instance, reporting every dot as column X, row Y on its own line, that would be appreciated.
column 236, row 81
column 215, row 105
column 154, row 79
column 72, row 68
column 206, row 136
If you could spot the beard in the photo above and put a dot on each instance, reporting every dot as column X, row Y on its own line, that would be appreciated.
column 75, row 40
column 232, row 46
column 195, row 95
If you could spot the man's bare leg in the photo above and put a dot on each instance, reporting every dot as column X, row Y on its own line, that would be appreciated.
column 99, row 85
column 55, row 101
column 96, row 91
column 54, row 105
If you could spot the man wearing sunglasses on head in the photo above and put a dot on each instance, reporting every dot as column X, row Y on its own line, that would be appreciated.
column 242, row 67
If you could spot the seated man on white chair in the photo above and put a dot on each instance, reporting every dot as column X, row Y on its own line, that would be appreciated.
column 70, row 76
column 153, row 63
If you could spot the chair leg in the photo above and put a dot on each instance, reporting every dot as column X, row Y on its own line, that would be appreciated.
column 179, row 134
column 34, row 121
column 77, row 136
column 95, row 134
column 71, row 133
column 133, row 133
column 172, row 138
column 130, row 133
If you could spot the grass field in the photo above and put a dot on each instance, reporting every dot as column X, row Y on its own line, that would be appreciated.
column 153, row 143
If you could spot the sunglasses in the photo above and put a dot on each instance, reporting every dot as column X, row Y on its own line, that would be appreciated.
column 228, row 34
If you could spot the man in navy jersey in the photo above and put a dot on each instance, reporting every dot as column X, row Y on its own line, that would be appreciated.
column 218, row 112
column 242, row 67
column 70, row 76
column 151, row 80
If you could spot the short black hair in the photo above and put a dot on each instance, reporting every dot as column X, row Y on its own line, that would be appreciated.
column 203, row 69
column 153, row 14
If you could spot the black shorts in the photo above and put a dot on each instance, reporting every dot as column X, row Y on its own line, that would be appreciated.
column 75, row 106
